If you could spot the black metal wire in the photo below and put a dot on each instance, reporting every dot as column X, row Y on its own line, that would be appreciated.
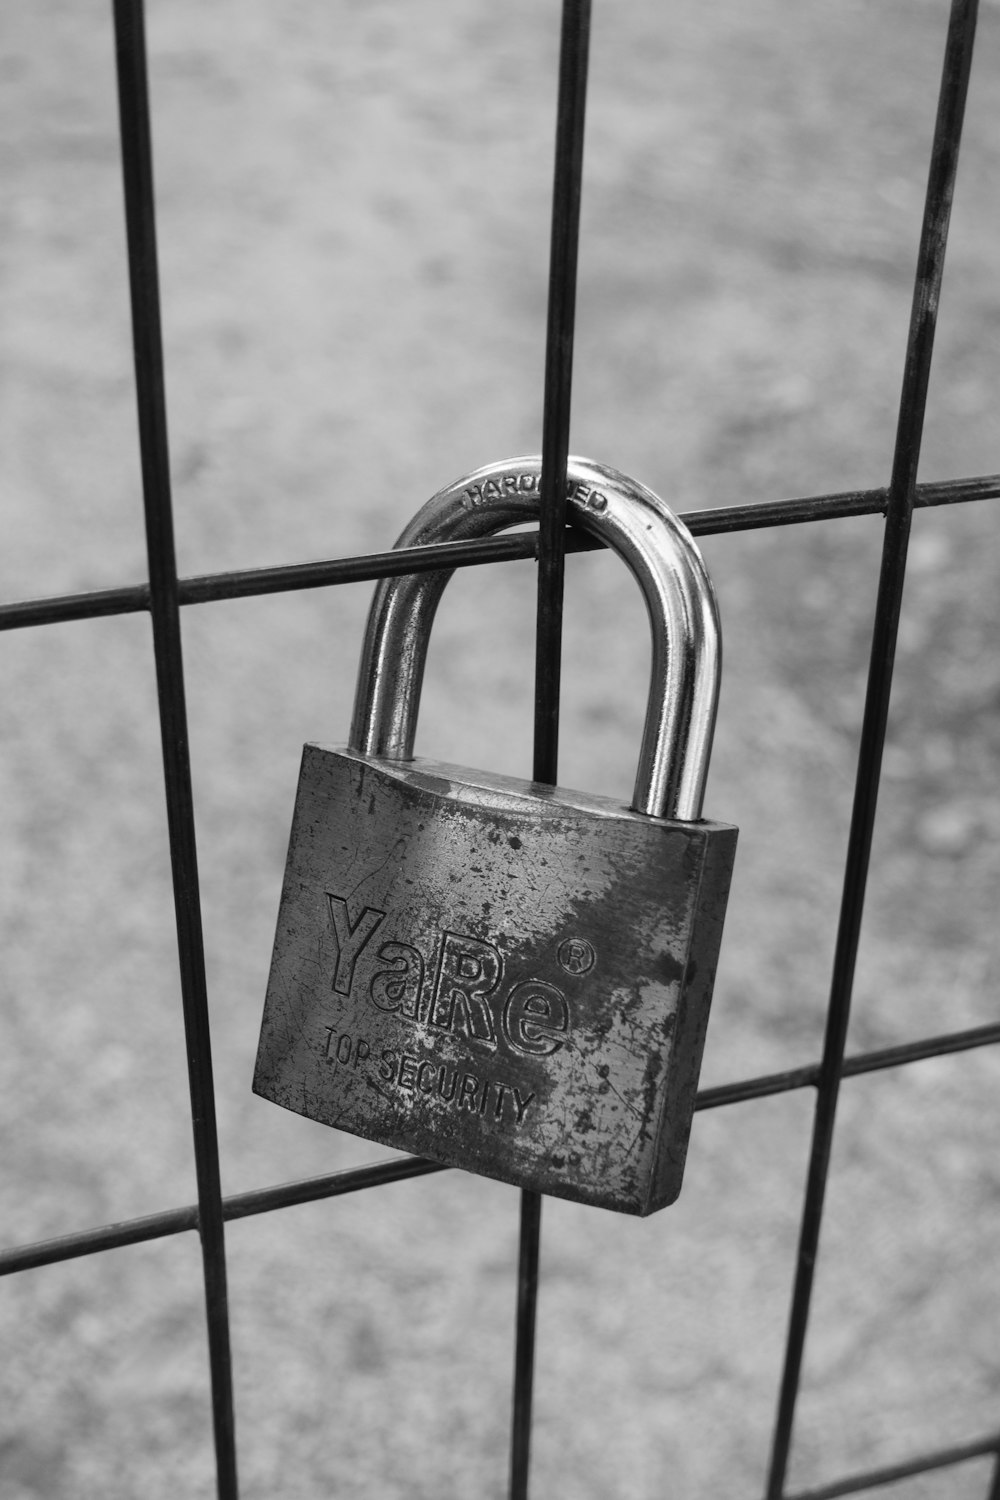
column 566, row 193
column 853, row 1067
column 396, row 1168
column 137, row 168
column 526, row 1314
column 290, row 577
column 239, row 1206
column 942, row 1458
column 913, row 399
column 561, row 321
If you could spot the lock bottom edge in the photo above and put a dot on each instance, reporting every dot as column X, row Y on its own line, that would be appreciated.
column 637, row 1206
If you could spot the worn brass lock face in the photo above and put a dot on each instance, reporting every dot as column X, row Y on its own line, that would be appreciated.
column 506, row 977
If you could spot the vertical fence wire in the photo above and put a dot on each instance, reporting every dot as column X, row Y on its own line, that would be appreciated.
column 137, row 170
column 565, row 237
column 913, row 400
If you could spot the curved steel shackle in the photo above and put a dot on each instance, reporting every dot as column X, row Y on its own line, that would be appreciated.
column 659, row 550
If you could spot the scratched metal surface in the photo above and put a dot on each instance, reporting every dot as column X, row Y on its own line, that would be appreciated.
column 507, row 982
column 354, row 245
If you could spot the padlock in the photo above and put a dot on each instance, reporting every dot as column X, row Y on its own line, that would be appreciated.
column 503, row 976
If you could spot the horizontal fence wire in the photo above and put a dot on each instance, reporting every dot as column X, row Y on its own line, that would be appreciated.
column 364, row 568
column 397, row 1169
column 941, row 1458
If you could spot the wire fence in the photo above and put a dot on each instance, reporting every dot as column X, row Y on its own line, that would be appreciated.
column 165, row 593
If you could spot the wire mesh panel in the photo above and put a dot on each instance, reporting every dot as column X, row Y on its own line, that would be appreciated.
column 120, row 1049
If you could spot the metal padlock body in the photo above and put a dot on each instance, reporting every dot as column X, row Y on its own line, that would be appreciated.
column 505, row 977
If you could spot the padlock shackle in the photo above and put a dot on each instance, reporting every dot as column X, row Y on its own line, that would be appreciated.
column 659, row 550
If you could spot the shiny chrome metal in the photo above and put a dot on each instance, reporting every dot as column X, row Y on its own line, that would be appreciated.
column 659, row 550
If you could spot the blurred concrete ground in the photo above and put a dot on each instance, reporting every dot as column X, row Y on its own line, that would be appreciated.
column 353, row 239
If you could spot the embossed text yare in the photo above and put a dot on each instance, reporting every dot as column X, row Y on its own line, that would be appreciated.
column 458, row 988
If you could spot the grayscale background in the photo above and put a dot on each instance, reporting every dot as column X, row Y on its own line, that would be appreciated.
column 353, row 222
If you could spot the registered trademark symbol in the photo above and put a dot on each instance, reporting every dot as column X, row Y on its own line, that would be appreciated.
column 576, row 955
